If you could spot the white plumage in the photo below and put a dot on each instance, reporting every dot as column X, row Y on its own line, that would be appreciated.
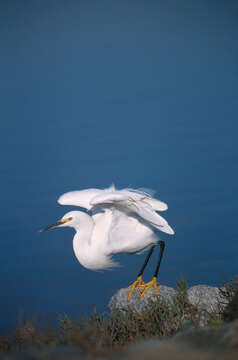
column 120, row 221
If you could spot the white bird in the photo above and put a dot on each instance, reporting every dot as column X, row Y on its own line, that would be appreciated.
column 118, row 221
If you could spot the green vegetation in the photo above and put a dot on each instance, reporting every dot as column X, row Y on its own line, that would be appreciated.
column 230, row 292
column 103, row 335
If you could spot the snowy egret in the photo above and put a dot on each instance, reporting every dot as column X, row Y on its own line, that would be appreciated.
column 120, row 221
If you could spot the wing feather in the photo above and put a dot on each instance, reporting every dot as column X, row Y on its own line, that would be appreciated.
column 135, row 202
column 132, row 201
column 80, row 198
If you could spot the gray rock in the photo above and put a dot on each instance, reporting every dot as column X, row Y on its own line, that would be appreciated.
column 206, row 297
column 120, row 299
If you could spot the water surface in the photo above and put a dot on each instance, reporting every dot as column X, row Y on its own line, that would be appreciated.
column 141, row 94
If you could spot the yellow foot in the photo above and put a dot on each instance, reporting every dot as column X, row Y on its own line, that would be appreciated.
column 145, row 287
column 139, row 282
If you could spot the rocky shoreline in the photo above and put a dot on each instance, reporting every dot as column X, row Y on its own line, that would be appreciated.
column 205, row 299
column 176, row 325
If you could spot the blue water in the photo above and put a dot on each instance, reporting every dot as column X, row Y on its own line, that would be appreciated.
column 142, row 94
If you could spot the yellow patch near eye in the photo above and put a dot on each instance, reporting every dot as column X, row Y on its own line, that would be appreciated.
column 66, row 220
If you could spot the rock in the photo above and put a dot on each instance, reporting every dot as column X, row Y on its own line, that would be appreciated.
column 206, row 297
column 120, row 299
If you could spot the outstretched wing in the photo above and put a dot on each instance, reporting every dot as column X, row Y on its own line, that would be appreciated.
column 137, row 202
column 145, row 195
column 80, row 198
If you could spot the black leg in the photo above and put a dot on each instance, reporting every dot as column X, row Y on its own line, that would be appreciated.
column 143, row 288
column 146, row 260
column 162, row 246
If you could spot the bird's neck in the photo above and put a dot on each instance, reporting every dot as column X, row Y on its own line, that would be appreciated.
column 82, row 238
column 83, row 230
column 89, row 252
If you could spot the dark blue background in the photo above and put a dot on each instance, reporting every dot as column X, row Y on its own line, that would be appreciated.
column 139, row 93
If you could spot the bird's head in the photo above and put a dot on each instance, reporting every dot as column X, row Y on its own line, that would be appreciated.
column 70, row 219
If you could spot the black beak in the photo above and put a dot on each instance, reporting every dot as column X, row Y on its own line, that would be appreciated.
column 51, row 226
